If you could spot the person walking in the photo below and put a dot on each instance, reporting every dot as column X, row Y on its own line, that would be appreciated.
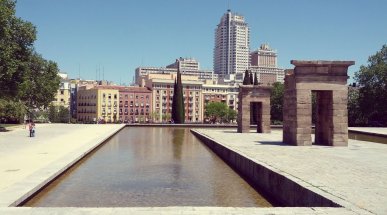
column 30, row 127
column 33, row 129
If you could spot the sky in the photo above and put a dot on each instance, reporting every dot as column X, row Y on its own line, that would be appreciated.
column 101, row 39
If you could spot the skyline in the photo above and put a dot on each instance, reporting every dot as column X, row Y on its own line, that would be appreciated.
column 122, row 36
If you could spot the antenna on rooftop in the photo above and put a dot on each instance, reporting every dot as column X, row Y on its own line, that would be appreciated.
column 79, row 71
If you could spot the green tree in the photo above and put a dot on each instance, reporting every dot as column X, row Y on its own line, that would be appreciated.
column 41, row 83
column 276, row 102
column 231, row 115
column 216, row 111
column 178, row 109
column 16, row 46
column 166, row 117
column 63, row 114
column 251, row 78
column 52, row 113
column 372, row 82
column 355, row 116
column 246, row 79
column 24, row 75
column 11, row 112
column 155, row 116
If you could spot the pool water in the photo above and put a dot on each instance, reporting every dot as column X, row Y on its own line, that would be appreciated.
column 150, row 167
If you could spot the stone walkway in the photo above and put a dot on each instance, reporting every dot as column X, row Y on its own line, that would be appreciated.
column 354, row 176
column 28, row 163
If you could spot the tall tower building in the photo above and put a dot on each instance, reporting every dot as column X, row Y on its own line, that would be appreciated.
column 231, row 51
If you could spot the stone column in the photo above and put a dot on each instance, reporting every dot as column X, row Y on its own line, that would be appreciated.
column 340, row 117
column 303, row 117
column 243, row 113
column 265, row 117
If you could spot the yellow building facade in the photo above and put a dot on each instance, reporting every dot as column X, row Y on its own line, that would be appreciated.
column 97, row 105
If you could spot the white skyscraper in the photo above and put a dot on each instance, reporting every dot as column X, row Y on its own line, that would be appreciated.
column 231, row 51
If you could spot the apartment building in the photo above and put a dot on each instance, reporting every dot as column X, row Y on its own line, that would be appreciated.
column 97, row 104
column 220, row 93
column 135, row 104
column 162, row 94
column 188, row 67
column 62, row 97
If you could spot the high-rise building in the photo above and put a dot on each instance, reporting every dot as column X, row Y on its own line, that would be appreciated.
column 231, row 51
column 264, row 65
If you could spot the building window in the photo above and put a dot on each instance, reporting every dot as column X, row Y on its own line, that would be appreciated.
column 62, row 92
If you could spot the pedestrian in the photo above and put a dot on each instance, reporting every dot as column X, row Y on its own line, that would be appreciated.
column 33, row 129
column 30, row 127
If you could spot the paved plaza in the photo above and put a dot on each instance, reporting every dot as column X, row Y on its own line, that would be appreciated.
column 28, row 163
column 354, row 176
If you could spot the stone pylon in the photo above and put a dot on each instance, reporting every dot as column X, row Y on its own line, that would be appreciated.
column 328, row 79
column 260, row 97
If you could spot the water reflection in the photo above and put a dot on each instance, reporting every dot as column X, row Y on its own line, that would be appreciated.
column 150, row 167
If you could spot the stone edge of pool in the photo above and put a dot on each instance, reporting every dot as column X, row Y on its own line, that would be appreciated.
column 22, row 191
column 176, row 210
column 273, row 183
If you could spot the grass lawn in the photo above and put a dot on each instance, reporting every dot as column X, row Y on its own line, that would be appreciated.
column 8, row 125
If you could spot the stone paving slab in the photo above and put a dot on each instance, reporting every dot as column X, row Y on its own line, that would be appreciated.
column 354, row 176
column 27, row 163
column 175, row 210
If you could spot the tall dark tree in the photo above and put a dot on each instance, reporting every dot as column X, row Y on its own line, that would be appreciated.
column 255, row 79
column 178, row 108
column 372, row 80
column 251, row 78
column 246, row 79
column 173, row 114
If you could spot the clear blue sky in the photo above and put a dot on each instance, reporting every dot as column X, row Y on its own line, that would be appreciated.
column 121, row 35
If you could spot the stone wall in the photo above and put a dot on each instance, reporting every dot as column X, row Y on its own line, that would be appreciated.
column 276, row 187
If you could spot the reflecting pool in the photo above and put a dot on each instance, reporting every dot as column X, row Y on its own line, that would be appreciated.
column 149, row 167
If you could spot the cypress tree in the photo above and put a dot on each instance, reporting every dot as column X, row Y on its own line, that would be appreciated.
column 255, row 79
column 251, row 78
column 180, row 98
column 178, row 112
column 246, row 78
column 173, row 114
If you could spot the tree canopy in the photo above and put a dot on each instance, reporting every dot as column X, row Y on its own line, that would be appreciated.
column 24, row 75
column 372, row 95
column 276, row 102
column 219, row 112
